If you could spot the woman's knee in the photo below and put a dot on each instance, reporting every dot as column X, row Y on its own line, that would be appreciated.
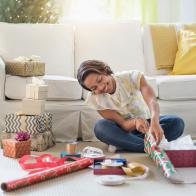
column 101, row 127
column 179, row 125
column 175, row 127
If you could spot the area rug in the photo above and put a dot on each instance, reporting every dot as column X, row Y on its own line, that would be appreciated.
column 83, row 182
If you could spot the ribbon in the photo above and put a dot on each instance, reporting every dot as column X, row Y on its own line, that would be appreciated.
column 43, row 162
column 27, row 59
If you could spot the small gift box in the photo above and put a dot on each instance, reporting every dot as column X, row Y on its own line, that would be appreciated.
column 33, row 106
column 17, row 147
column 25, row 66
column 99, row 168
column 36, row 91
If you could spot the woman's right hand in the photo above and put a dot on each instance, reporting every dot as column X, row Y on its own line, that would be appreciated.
column 139, row 124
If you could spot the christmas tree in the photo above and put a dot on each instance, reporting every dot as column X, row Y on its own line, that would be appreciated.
column 30, row 11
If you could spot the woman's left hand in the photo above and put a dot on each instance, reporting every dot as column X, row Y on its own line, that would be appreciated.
column 156, row 131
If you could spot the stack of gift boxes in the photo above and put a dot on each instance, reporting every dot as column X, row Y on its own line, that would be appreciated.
column 32, row 118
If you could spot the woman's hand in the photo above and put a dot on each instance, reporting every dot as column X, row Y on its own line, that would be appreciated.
column 140, row 124
column 156, row 131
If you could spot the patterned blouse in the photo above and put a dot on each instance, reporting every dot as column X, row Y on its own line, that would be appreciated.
column 127, row 100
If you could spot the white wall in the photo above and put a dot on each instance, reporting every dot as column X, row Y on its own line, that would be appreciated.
column 168, row 11
column 182, row 11
column 188, row 11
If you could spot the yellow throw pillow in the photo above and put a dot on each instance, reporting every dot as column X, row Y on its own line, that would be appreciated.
column 164, row 43
column 185, row 62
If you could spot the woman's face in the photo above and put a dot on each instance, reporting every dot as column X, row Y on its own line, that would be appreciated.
column 100, row 83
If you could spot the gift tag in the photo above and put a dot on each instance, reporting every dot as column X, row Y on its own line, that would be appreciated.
column 111, row 180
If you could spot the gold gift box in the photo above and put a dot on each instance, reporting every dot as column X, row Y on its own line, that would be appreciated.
column 26, row 68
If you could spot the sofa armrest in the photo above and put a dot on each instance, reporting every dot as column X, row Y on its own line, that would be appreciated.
column 2, row 79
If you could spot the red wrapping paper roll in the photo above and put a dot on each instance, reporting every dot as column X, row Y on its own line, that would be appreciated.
column 46, row 174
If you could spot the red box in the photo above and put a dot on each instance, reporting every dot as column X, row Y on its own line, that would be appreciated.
column 98, row 170
column 182, row 158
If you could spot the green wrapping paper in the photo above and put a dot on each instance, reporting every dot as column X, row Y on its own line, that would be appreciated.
column 158, row 155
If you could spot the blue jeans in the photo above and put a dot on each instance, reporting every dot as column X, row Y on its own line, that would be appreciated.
column 111, row 133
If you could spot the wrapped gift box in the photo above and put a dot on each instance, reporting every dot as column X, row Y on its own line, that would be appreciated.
column 33, row 106
column 35, row 91
column 16, row 149
column 99, row 170
column 32, row 124
column 28, row 67
column 182, row 158
column 39, row 142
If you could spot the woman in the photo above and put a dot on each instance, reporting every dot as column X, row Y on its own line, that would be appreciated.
column 128, row 107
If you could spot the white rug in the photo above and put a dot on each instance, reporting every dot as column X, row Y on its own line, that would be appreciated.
column 83, row 183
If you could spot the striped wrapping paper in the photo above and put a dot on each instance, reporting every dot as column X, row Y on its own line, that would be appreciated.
column 33, row 124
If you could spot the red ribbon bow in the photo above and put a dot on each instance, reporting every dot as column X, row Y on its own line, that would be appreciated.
column 42, row 162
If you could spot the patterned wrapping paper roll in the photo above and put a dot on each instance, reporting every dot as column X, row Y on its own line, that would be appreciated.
column 46, row 174
column 159, row 156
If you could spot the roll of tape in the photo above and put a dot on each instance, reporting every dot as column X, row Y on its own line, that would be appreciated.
column 111, row 180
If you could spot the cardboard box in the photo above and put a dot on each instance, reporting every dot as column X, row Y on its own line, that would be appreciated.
column 35, row 91
column 16, row 149
column 99, row 170
column 182, row 158
column 32, row 107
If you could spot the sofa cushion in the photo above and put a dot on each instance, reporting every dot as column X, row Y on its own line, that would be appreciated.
column 185, row 62
column 59, row 87
column 53, row 43
column 164, row 44
column 149, row 54
column 180, row 87
column 118, row 44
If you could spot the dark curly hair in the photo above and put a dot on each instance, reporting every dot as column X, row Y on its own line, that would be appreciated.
column 92, row 66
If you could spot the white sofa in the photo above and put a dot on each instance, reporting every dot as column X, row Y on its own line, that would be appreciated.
column 63, row 47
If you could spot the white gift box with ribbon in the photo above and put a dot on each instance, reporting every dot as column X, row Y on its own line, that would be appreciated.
column 33, row 106
column 36, row 91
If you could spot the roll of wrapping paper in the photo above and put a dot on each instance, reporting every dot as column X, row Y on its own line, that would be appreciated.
column 46, row 174
column 159, row 156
